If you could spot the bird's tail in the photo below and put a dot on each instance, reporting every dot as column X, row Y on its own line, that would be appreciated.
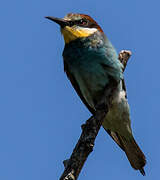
column 130, row 147
column 134, row 154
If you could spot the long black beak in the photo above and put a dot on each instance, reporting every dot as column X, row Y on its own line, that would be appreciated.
column 59, row 21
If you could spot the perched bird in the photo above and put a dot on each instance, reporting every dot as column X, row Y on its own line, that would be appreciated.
column 91, row 64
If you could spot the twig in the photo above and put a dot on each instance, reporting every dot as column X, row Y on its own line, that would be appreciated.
column 90, row 129
column 124, row 55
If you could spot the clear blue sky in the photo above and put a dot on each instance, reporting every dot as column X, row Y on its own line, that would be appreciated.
column 40, row 113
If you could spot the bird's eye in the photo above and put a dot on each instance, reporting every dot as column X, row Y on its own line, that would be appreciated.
column 82, row 22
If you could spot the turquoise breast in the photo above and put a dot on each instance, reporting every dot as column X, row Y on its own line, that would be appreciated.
column 92, row 66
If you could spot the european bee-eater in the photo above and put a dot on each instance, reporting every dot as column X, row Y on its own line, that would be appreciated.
column 91, row 63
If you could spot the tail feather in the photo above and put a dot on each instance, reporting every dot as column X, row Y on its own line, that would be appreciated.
column 129, row 146
column 134, row 154
column 142, row 172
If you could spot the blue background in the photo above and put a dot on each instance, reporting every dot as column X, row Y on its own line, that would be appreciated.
column 40, row 113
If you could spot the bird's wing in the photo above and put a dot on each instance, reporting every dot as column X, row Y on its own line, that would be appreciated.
column 114, row 135
column 74, row 83
column 76, row 87
column 124, row 87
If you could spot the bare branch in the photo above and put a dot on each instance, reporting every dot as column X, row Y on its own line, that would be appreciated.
column 124, row 55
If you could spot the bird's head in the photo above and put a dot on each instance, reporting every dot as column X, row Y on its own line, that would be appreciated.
column 75, row 26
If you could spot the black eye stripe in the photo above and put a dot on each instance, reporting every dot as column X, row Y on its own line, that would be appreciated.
column 71, row 23
column 82, row 22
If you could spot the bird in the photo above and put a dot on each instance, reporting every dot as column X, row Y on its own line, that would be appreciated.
column 91, row 64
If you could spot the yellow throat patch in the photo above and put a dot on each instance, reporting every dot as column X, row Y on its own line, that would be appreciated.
column 72, row 33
